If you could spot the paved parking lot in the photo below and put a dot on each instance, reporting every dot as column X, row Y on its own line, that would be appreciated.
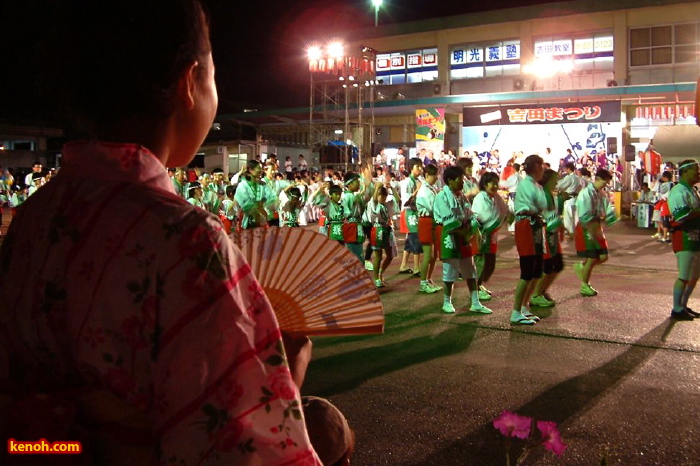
column 618, row 377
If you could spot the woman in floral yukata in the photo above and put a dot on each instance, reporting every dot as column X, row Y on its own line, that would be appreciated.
column 123, row 301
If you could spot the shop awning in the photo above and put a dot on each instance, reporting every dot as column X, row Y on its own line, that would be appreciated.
column 676, row 143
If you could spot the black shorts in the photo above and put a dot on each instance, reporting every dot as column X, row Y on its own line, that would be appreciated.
column 666, row 221
column 412, row 244
column 554, row 264
column 531, row 267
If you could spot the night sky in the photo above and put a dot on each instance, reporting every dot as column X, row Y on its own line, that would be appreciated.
column 259, row 45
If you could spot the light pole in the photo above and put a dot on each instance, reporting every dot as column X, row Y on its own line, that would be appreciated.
column 377, row 4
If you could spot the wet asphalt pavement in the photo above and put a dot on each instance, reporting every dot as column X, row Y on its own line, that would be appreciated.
column 621, row 380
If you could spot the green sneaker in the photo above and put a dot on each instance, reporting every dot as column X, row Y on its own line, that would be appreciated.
column 481, row 309
column 483, row 288
column 588, row 290
column 379, row 284
column 540, row 301
column 435, row 285
column 426, row 288
column 484, row 296
column 369, row 266
column 448, row 308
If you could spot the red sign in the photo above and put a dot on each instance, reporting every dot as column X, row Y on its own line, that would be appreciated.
column 397, row 62
column 665, row 112
column 557, row 113
column 430, row 59
column 553, row 114
column 414, row 59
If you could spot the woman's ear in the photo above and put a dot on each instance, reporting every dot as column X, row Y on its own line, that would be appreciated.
column 187, row 85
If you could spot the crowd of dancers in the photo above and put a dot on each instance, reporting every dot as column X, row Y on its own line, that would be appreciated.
column 445, row 214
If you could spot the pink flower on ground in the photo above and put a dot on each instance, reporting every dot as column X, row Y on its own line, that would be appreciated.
column 513, row 425
column 551, row 439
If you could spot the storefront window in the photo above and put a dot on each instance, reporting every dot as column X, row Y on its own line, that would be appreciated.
column 664, row 45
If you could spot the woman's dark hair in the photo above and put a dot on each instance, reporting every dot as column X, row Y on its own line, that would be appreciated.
column 452, row 173
column 546, row 176
column 530, row 162
column 413, row 162
column 667, row 174
column 485, row 179
column 464, row 163
column 192, row 187
column 250, row 166
column 603, row 174
column 230, row 191
column 431, row 170
column 684, row 166
column 585, row 172
column 294, row 192
column 335, row 189
column 119, row 59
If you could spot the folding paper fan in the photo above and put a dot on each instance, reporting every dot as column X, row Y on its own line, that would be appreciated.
column 316, row 286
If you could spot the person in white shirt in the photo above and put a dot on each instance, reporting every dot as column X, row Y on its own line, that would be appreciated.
column 530, row 204
column 303, row 164
column 409, row 190
column 36, row 168
column 592, row 206
column 569, row 187
column 511, row 185
column 490, row 211
column 288, row 168
column 426, row 229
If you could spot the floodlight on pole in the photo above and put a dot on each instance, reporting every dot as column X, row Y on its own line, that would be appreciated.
column 377, row 4
column 335, row 49
column 314, row 52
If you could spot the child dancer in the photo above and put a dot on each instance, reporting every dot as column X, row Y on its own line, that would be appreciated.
column 357, row 194
column 426, row 230
column 227, row 212
column 529, row 205
column 490, row 211
column 195, row 195
column 327, row 198
column 409, row 192
column 591, row 245
column 291, row 207
column 382, row 235
column 455, row 225
column 554, row 232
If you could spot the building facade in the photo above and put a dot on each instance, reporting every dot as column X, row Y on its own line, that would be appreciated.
column 587, row 75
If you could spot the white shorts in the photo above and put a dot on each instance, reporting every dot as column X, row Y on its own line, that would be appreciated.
column 451, row 269
column 688, row 265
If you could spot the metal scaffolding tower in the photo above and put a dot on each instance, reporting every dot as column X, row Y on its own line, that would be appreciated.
column 339, row 89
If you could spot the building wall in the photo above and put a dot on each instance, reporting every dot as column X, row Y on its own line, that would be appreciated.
column 527, row 31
